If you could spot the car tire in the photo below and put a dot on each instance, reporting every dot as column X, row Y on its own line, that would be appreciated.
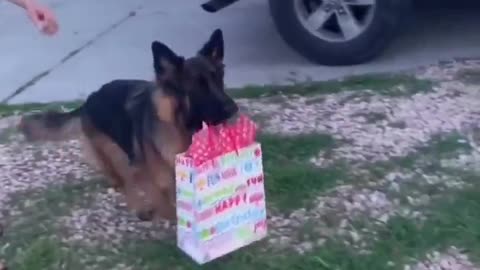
column 384, row 22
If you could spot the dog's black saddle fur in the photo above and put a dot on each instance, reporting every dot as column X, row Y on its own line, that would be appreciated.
column 108, row 111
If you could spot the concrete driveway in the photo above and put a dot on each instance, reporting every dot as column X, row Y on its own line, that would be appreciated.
column 101, row 40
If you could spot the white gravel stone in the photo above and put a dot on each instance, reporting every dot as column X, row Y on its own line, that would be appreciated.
column 453, row 259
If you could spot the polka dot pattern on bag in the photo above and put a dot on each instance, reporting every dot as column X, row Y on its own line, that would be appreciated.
column 211, row 142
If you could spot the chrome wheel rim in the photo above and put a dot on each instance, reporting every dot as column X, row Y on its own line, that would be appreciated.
column 336, row 20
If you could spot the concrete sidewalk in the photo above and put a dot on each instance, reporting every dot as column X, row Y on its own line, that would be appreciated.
column 101, row 40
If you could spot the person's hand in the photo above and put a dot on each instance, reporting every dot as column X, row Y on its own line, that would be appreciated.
column 42, row 17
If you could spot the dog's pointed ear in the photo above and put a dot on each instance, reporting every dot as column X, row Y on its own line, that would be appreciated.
column 165, row 61
column 214, row 48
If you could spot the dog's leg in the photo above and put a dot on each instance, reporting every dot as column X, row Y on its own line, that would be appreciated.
column 163, row 177
column 143, row 196
column 133, row 181
column 167, row 208
column 110, row 161
column 89, row 154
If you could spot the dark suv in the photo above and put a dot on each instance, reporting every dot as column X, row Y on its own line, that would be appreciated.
column 334, row 32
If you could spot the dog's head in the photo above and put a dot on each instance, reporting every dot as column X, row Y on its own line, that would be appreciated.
column 198, row 81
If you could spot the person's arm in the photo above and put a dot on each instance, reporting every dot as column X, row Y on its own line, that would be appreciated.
column 41, row 16
column 20, row 3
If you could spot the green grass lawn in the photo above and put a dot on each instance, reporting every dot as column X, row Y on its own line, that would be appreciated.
column 32, row 236
column 383, row 84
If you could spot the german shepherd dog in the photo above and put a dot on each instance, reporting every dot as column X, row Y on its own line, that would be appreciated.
column 132, row 129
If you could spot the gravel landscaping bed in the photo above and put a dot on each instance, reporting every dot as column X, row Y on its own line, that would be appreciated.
column 400, row 123
column 453, row 259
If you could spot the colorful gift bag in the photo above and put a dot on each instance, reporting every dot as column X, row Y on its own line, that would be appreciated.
column 220, row 192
